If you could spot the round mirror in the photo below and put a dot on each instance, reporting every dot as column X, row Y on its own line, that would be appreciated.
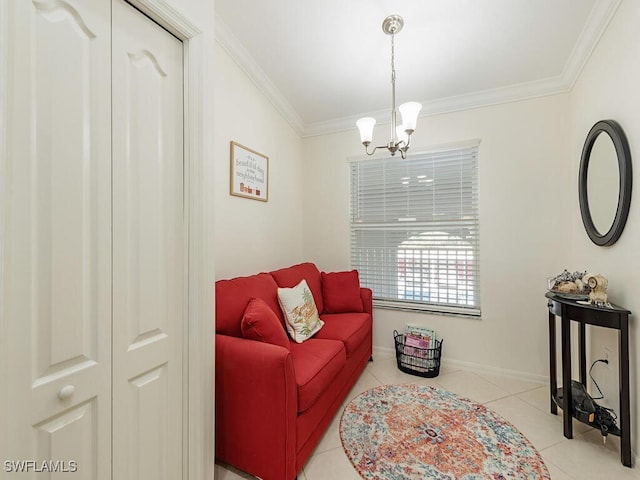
column 605, row 182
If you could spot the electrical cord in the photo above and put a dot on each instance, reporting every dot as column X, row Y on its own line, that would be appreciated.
column 605, row 417
column 601, row 360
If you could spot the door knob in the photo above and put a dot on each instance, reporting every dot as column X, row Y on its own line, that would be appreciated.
column 66, row 392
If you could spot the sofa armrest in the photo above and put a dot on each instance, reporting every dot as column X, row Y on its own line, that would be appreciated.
column 256, row 407
column 366, row 294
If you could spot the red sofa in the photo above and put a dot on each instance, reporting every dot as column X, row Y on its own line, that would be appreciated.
column 273, row 404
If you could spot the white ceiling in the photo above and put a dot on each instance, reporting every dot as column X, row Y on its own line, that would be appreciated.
column 325, row 63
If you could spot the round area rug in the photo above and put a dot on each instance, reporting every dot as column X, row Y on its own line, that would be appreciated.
column 413, row 432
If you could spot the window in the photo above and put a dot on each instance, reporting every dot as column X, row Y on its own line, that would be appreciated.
column 414, row 229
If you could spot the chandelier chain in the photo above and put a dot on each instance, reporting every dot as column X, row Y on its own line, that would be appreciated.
column 394, row 137
column 393, row 54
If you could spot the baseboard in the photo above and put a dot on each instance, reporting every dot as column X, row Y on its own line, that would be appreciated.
column 389, row 351
column 476, row 367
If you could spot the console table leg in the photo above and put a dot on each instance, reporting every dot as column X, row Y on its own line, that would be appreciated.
column 567, row 418
column 553, row 383
column 625, row 417
column 582, row 354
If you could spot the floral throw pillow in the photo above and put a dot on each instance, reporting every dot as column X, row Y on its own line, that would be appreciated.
column 300, row 312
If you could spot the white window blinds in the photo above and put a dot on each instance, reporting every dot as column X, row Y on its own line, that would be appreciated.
column 415, row 229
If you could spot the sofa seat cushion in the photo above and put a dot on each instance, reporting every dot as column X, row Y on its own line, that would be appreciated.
column 291, row 276
column 233, row 296
column 316, row 363
column 350, row 328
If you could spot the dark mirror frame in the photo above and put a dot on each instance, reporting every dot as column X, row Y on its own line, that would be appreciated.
column 614, row 130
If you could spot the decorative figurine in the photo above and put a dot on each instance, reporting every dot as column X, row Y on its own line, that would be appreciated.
column 598, row 293
column 569, row 283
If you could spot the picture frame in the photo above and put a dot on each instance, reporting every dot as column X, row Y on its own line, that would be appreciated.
column 249, row 176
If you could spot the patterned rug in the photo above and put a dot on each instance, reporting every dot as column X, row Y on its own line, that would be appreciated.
column 412, row 432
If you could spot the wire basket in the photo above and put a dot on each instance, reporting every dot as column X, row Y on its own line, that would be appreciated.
column 423, row 362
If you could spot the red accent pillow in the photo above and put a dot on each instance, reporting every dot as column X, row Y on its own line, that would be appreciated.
column 261, row 323
column 341, row 292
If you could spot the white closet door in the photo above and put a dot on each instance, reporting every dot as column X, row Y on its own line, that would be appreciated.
column 148, row 244
column 55, row 309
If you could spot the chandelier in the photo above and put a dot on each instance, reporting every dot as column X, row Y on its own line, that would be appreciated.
column 400, row 135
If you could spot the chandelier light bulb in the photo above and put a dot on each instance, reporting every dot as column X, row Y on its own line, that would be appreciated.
column 365, row 125
column 409, row 112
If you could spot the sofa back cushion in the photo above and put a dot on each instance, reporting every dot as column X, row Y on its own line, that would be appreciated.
column 232, row 298
column 291, row 276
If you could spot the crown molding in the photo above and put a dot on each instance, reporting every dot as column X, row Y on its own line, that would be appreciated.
column 239, row 54
column 597, row 23
column 468, row 101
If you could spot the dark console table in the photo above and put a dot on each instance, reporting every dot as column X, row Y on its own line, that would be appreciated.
column 615, row 317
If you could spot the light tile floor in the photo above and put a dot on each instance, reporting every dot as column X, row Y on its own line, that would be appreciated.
column 524, row 404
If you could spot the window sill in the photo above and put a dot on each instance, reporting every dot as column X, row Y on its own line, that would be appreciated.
column 427, row 309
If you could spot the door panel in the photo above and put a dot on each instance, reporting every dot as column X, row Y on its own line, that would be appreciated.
column 56, row 281
column 148, row 243
column 150, row 432
column 69, row 439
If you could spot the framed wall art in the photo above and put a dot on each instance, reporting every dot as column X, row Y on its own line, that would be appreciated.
column 249, row 173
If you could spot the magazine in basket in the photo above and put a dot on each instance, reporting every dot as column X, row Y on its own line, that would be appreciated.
column 419, row 336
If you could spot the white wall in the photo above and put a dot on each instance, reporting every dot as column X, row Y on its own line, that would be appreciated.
column 525, row 222
column 608, row 88
column 253, row 236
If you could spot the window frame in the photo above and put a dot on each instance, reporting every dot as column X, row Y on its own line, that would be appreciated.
column 413, row 305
